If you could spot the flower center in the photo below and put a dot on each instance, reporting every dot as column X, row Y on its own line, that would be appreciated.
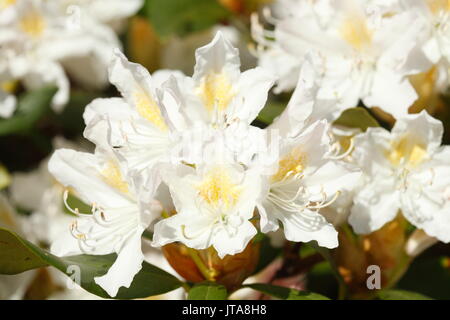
column 32, row 24
column 291, row 165
column 217, row 189
column 216, row 91
column 354, row 30
column 112, row 175
column 149, row 109
column 406, row 152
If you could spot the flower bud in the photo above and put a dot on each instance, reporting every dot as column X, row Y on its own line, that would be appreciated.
column 200, row 265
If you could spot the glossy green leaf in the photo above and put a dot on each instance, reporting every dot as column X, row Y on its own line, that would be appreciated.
column 401, row 295
column 357, row 118
column 285, row 293
column 181, row 17
column 31, row 107
column 18, row 255
column 208, row 291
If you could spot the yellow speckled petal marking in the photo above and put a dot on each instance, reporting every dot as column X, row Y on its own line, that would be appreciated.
column 438, row 5
column 217, row 189
column 33, row 24
column 149, row 109
column 6, row 3
column 112, row 175
column 406, row 152
column 293, row 164
column 354, row 30
column 216, row 90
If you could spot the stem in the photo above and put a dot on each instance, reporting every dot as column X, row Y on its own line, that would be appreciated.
column 185, row 286
column 349, row 233
column 399, row 271
column 205, row 271
column 342, row 293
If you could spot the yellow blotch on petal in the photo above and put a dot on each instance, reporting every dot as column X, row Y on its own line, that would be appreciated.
column 112, row 175
column 438, row 5
column 6, row 3
column 407, row 152
column 33, row 24
column 216, row 90
column 9, row 86
column 218, row 189
column 354, row 30
column 291, row 165
column 149, row 109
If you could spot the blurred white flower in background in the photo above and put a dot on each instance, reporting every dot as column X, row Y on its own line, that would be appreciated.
column 46, row 43
column 366, row 52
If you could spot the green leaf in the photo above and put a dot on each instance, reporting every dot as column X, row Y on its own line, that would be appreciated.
column 70, row 120
column 326, row 254
column 357, row 118
column 31, row 107
column 285, row 293
column 272, row 110
column 76, row 203
column 401, row 295
column 428, row 274
column 208, row 291
column 182, row 17
column 267, row 253
column 18, row 255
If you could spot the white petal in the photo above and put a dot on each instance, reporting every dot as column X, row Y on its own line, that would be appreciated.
column 392, row 93
column 7, row 104
column 253, row 87
column 217, row 57
column 127, row 265
column 225, row 243
column 106, row 121
column 373, row 207
column 427, row 130
column 66, row 245
column 326, row 235
column 80, row 171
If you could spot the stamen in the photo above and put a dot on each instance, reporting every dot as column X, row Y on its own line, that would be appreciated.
column 75, row 211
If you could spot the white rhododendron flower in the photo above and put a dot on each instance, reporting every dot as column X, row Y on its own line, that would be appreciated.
column 157, row 111
column 218, row 92
column 216, row 179
column 121, row 211
column 139, row 128
column 44, row 44
column 434, row 16
column 305, row 180
column 305, row 106
column 235, row 145
column 108, row 12
column 405, row 171
column 214, row 206
column 366, row 53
